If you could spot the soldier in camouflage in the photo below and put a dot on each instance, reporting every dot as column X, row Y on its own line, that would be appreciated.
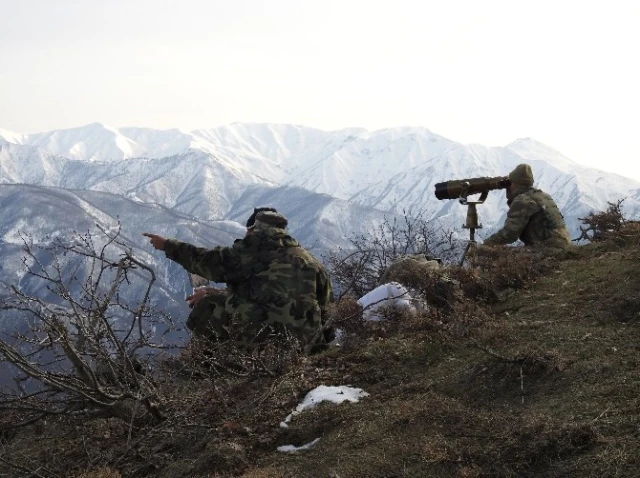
column 533, row 215
column 273, row 284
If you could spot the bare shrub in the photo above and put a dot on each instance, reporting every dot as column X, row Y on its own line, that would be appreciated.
column 80, row 348
column 357, row 270
column 501, row 269
column 466, row 316
column 531, row 359
column 346, row 314
column 599, row 225
column 267, row 354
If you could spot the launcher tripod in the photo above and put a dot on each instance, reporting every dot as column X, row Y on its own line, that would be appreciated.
column 472, row 217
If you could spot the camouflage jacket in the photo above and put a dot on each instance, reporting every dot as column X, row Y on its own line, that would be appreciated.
column 270, row 279
column 534, row 218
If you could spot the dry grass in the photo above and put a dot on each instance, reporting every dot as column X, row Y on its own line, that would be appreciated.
column 100, row 473
column 540, row 381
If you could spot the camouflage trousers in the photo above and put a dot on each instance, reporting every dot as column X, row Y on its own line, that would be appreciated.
column 209, row 318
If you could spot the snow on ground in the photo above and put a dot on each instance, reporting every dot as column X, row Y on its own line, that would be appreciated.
column 318, row 395
column 293, row 449
column 392, row 294
column 325, row 393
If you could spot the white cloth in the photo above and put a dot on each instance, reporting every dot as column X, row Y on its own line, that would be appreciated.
column 392, row 294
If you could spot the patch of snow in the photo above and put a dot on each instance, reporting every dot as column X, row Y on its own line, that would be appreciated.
column 293, row 449
column 392, row 294
column 325, row 393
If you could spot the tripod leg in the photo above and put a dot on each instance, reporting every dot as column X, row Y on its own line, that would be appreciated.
column 466, row 251
column 464, row 254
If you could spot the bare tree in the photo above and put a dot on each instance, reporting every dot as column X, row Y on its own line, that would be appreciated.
column 356, row 271
column 85, row 349
column 599, row 224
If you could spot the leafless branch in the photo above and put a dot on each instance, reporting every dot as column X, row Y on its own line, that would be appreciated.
column 76, row 350
column 357, row 269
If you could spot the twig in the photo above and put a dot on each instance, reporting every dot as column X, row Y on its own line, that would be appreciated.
column 601, row 415
column 497, row 355
column 133, row 417
column 32, row 473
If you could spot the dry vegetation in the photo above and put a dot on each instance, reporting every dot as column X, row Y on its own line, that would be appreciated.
column 526, row 365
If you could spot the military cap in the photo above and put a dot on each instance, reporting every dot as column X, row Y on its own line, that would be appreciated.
column 252, row 219
column 271, row 219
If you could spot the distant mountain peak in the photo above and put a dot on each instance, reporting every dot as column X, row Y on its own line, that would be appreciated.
column 11, row 137
column 533, row 150
column 529, row 142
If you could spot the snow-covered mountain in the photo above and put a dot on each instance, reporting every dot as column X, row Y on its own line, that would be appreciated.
column 200, row 186
column 204, row 172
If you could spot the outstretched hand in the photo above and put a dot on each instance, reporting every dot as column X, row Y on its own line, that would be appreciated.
column 197, row 295
column 201, row 292
column 156, row 241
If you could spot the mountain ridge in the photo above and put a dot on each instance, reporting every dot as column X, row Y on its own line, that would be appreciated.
column 204, row 173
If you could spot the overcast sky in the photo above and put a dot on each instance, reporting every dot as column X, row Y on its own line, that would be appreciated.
column 564, row 72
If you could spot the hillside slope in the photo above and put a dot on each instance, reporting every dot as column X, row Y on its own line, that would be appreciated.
column 543, row 383
column 533, row 374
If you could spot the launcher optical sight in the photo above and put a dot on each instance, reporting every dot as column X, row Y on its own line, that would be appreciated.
column 462, row 188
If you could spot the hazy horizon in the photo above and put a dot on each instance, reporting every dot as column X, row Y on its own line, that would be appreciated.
column 475, row 72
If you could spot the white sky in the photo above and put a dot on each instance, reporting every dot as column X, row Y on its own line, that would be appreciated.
column 564, row 72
